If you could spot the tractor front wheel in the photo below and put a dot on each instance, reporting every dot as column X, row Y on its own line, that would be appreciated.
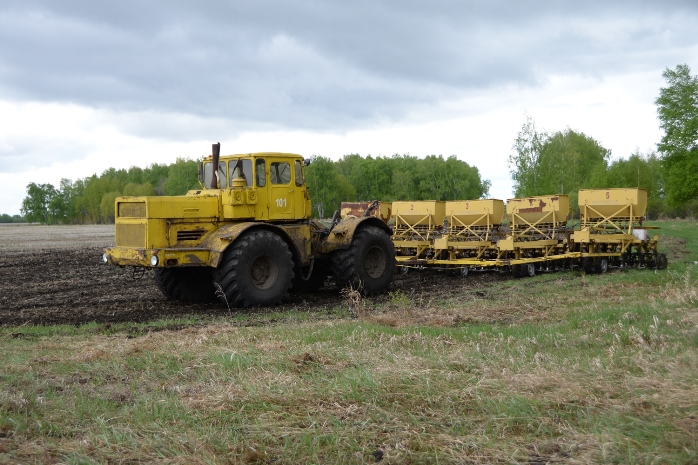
column 368, row 265
column 256, row 270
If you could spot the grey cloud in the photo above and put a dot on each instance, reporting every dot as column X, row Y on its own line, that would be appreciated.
column 17, row 155
column 317, row 64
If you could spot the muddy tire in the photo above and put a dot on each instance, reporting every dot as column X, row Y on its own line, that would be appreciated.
column 368, row 265
column 600, row 265
column 191, row 285
column 255, row 271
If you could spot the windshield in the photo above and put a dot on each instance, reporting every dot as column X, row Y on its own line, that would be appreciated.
column 208, row 174
column 241, row 168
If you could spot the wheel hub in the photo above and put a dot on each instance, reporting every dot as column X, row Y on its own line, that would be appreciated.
column 264, row 272
column 375, row 262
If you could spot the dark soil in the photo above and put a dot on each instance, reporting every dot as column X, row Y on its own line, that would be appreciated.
column 61, row 286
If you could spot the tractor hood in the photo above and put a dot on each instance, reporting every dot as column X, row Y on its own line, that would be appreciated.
column 166, row 207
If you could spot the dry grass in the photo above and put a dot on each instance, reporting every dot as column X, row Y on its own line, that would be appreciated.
column 561, row 368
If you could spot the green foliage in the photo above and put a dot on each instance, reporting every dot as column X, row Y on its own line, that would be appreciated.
column 91, row 200
column 524, row 165
column 559, row 163
column 677, row 109
column 5, row 218
column 637, row 171
column 564, row 162
column 327, row 186
column 352, row 178
column 400, row 177
column 35, row 206
column 182, row 177
column 449, row 179
column 134, row 189
column 106, row 206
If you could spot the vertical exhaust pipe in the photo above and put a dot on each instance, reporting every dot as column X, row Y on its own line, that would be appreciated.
column 216, row 152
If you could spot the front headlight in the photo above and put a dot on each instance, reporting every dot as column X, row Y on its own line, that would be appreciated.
column 104, row 257
column 154, row 260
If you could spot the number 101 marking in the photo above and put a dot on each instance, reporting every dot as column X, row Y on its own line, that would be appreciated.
column 280, row 202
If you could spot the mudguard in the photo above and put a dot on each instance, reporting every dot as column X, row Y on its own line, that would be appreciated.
column 297, row 236
column 342, row 234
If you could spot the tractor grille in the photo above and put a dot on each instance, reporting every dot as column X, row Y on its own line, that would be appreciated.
column 193, row 235
column 130, row 235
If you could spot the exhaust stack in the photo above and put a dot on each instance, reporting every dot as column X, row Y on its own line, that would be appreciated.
column 216, row 152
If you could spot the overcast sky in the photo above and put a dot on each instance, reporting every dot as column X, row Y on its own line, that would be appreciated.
column 88, row 85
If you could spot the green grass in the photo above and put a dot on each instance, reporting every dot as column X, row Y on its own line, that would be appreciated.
column 561, row 367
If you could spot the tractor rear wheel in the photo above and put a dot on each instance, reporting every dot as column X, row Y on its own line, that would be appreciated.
column 368, row 265
column 192, row 285
column 256, row 270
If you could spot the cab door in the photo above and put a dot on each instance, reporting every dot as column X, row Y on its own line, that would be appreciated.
column 281, row 190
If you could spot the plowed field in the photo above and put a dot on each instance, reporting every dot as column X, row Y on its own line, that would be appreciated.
column 55, row 275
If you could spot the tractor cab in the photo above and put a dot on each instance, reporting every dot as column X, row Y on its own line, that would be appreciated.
column 261, row 186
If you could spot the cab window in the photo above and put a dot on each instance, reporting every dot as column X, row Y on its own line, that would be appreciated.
column 299, row 173
column 208, row 174
column 280, row 172
column 241, row 168
column 261, row 174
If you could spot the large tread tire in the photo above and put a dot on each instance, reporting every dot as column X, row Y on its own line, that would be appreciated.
column 191, row 285
column 255, row 271
column 368, row 265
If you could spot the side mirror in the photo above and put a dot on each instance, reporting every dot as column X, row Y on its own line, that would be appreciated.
column 306, row 161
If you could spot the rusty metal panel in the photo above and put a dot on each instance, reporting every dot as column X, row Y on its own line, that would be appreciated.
column 536, row 210
column 383, row 212
column 353, row 208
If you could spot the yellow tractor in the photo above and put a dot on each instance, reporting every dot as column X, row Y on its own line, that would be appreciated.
column 247, row 236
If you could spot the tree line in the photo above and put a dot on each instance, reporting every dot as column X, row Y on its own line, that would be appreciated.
column 399, row 177
column 352, row 178
column 91, row 200
column 542, row 163
column 565, row 161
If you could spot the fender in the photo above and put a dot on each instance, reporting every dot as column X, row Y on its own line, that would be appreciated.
column 342, row 235
column 219, row 240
